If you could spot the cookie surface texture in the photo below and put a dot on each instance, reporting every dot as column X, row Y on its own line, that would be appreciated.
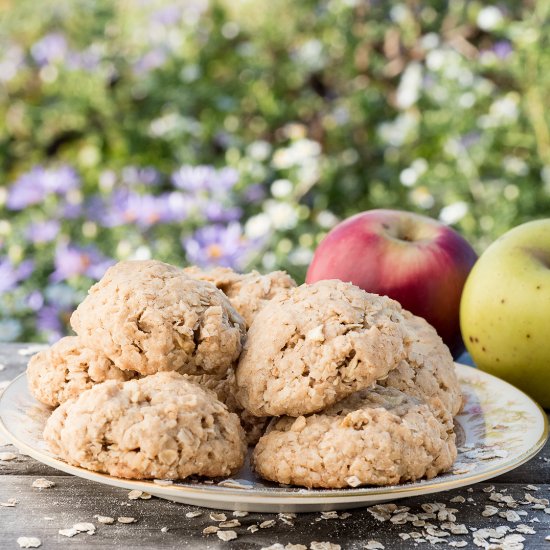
column 149, row 317
column 375, row 437
column 161, row 426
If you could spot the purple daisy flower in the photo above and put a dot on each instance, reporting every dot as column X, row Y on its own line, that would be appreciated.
column 205, row 178
column 51, row 48
column 132, row 175
column 11, row 275
column 32, row 187
column 219, row 245
column 216, row 212
column 71, row 261
column 42, row 232
column 51, row 320
column 502, row 49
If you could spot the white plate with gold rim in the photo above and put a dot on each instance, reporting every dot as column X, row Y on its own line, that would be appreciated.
column 499, row 429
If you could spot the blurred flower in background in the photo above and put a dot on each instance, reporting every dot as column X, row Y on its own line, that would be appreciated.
column 238, row 133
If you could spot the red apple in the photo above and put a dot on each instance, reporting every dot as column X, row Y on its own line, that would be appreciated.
column 413, row 259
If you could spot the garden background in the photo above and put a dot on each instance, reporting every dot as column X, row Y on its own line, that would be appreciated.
column 238, row 132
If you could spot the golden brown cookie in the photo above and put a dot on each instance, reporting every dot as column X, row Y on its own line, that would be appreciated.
column 68, row 368
column 428, row 370
column 225, row 387
column 248, row 292
column 319, row 344
column 375, row 437
column 148, row 316
column 161, row 426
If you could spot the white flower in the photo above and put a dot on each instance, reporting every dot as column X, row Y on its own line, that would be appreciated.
column 257, row 226
column 311, row 55
column 326, row 219
column 409, row 86
column 502, row 112
column 435, row 60
column 400, row 130
column 141, row 253
column 399, row 13
column 301, row 256
column 515, row 165
column 408, row 177
column 259, row 150
column 489, row 18
column 281, row 188
column 453, row 213
column 281, row 215
column 422, row 198
column 430, row 41
column 297, row 153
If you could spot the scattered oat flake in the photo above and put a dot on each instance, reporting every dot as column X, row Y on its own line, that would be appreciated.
column 85, row 528
column 210, row 529
column 230, row 523
column 218, row 517
column 345, row 515
column 164, row 530
column 458, row 499
column 7, row 456
column 458, row 543
column 68, row 532
column 193, row 514
column 458, row 529
column 291, row 546
column 324, row 546
column 525, row 529
column 106, row 520
column 531, row 488
column 42, row 483
column 239, row 514
column 267, row 524
column 126, row 519
column 489, row 511
column 29, row 542
column 547, row 538
column 329, row 515
column 134, row 495
column 510, row 515
column 236, row 484
column 252, row 528
column 353, row 481
column 10, row 503
column 226, row 535
column 488, row 489
column 31, row 350
column 374, row 545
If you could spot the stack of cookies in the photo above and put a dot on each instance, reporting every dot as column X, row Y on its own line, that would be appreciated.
column 173, row 372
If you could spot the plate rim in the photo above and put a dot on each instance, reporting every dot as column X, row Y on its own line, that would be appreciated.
column 303, row 495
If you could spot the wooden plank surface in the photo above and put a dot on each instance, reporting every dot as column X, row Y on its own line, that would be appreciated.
column 162, row 524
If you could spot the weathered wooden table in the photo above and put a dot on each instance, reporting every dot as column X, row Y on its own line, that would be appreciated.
column 42, row 513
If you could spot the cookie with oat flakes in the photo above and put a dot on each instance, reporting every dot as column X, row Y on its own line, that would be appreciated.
column 158, row 427
column 148, row 316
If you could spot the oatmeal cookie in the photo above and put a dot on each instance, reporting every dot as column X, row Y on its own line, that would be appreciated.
column 225, row 388
column 148, row 317
column 248, row 292
column 428, row 371
column 161, row 426
column 316, row 346
column 374, row 437
column 68, row 368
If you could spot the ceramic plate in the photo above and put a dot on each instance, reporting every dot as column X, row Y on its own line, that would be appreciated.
column 499, row 429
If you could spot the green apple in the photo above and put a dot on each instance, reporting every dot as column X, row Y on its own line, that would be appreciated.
column 505, row 309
